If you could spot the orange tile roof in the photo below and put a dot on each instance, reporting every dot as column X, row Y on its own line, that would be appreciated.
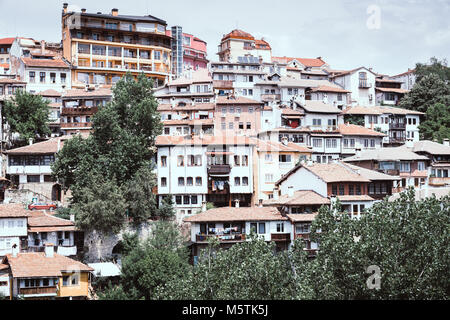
column 13, row 210
column 302, row 217
column 189, row 122
column 44, row 147
column 7, row 40
column 236, row 100
column 262, row 45
column 292, row 112
column 355, row 198
column 329, row 89
column 237, row 214
column 238, row 34
column 50, row 93
column 353, row 129
column 11, row 81
column 45, row 63
column 275, row 146
column 206, row 140
column 187, row 107
column 43, row 222
column 4, row 65
column 378, row 110
column 307, row 62
column 36, row 264
column 302, row 197
column 395, row 90
column 82, row 93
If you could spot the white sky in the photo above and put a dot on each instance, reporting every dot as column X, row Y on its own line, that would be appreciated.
column 409, row 31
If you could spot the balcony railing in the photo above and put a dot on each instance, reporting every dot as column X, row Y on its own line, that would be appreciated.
column 397, row 140
column 76, row 125
column 364, row 84
column 222, row 238
column 219, row 169
column 79, row 111
column 270, row 97
column 400, row 126
column 38, row 290
column 280, row 236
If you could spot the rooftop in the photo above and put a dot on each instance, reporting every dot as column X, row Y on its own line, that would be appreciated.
column 237, row 214
column 45, row 147
column 386, row 154
column 307, row 62
column 379, row 110
column 206, row 140
column 318, row 106
column 353, row 129
column 45, row 63
column 430, row 147
column 13, row 210
column 303, row 197
column 43, row 222
column 83, row 93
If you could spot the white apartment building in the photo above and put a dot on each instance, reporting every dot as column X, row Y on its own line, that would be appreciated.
column 407, row 78
column 13, row 227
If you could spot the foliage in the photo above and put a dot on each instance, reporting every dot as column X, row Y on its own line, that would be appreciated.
column 166, row 209
column 114, row 158
column 435, row 66
column 354, row 119
column 27, row 114
column 63, row 213
column 209, row 206
column 437, row 123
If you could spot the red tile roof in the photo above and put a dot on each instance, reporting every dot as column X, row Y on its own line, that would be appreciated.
column 302, row 217
column 50, row 93
column 307, row 62
column 44, row 147
column 13, row 210
column 262, row 45
column 275, row 146
column 236, row 100
column 395, row 90
column 300, row 198
column 238, row 34
column 11, row 81
column 83, row 93
column 7, row 41
column 43, row 222
column 329, row 89
column 237, row 214
column 352, row 129
column 36, row 264
column 45, row 63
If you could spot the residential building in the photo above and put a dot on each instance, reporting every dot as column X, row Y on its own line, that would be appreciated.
column 408, row 79
column 13, row 227
column 200, row 169
column 47, row 275
column 388, row 91
column 356, row 138
column 239, row 44
column 360, row 82
column 188, row 51
column 79, row 106
column 439, row 157
column 44, row 228
column 399, row 125
column 103, row 47
column 234, row 225
column 332, row 180
column 5, row 47
column 237, row 116
column 55, row 103
column 304, row 68
column 29, row 169
column 395, row 161
column 275, row 159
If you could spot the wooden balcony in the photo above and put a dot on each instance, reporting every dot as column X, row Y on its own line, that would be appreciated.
column 397, row 140
column 222, row 238
column 76, row 125
column 79, row 111
column 219, row 169
column 270, row 97
column 364, row 84
column 439, row 181
column 280, row 236
column 38, row 290
column 397, row 126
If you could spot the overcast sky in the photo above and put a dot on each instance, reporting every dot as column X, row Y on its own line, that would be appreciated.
column 387, row 35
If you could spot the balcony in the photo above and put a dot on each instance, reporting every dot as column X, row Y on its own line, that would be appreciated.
column 397, row 126
column 280, row 236
column 271, row 97
column 47, row 291
column 76, row 125
column 364, row 84
column 397, row 140
column 222, row 238
column 219, row 169
column 79, row 111
column 439, row 181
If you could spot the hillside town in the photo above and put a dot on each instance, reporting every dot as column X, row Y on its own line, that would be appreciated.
column 250, row 143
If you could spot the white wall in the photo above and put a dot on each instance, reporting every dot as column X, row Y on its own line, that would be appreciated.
column 304, row 179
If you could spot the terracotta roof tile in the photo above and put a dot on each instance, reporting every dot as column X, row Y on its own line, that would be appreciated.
column 44, row 147
column 206, row 140
column 236, row 100
column 46, row 63
column 307, row 62
column 43, row 222
column 82, row 93
column 237, row 214
column 36, row 264
column 13, row 210
column 302, row 197
column 302, row 217
column 353, row 129
column 238, row 34
column 355, row 198
column 329, row 89
column 7, row 40
column 50, row 93
column 275, row 146
column 395, row 90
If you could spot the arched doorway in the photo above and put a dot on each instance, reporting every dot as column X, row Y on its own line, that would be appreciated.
column 56, row 192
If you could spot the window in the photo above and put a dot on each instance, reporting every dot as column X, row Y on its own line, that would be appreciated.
column 163, row 182
column 351, row 190
column 262, row 228
column 268, row 157
column 163, row 161
column 358, row 190
column 42, row 77
column 194, row 200
column 186, row 199
column 249, row 125
column 157, row 55
column 52, row 77
column 339, row 97
column 241, row 125
column 269, row 178
column 372, row 143
column 317, row 143
column 189, row 181
column 250, row 109
column 284, row 158
column 420, row 165
column 223, row 125
column 33, row 178
column 178, row 199
column 237, row 181
column 366, row 143
column 404, row 167
column 245, row 181
column 244, row 161
column 331, row 143
column 181, row 181
column 280, row 227
column 198, row 181
column 253, row 227
column 341, row 190
column 180, row 161
column 302, row 228
column 32, row 77
column 231, row 125
column 334, row 189
column 317, row 122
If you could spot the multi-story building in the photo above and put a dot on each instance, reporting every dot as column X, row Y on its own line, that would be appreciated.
column 395, row 161
column 399, row 125
column 388, row 91
column 237, row 116
column 46, row 275
column 13, row 227
column 356, row 138
column 200, row 169
column 29, row 169
column 238, row 44
column 304, row 68
column 360, row 82
column 103, row 47
column 5, row 47
column 55, row 103
column 408, row 79
column 78, row 107
column 234, row 225
column 188, row 51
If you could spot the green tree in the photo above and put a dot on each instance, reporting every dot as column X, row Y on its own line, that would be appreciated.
column 27, row 114
column 435, row 66
column 166, row 209
column 437, row 123
column 354, row 119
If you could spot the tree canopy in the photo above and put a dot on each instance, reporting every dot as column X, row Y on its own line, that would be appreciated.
column 27, row 114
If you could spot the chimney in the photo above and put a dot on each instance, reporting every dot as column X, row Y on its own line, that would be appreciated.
column 290, row 191
column 15, row 250
column 65, row 5
column 446, row 142
column 83, row 10
column 203, row 206
column 236, row 203
column 115, row 12
column 30, row 141
column 49, row 250
column 275, row 194
column 42, row 46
